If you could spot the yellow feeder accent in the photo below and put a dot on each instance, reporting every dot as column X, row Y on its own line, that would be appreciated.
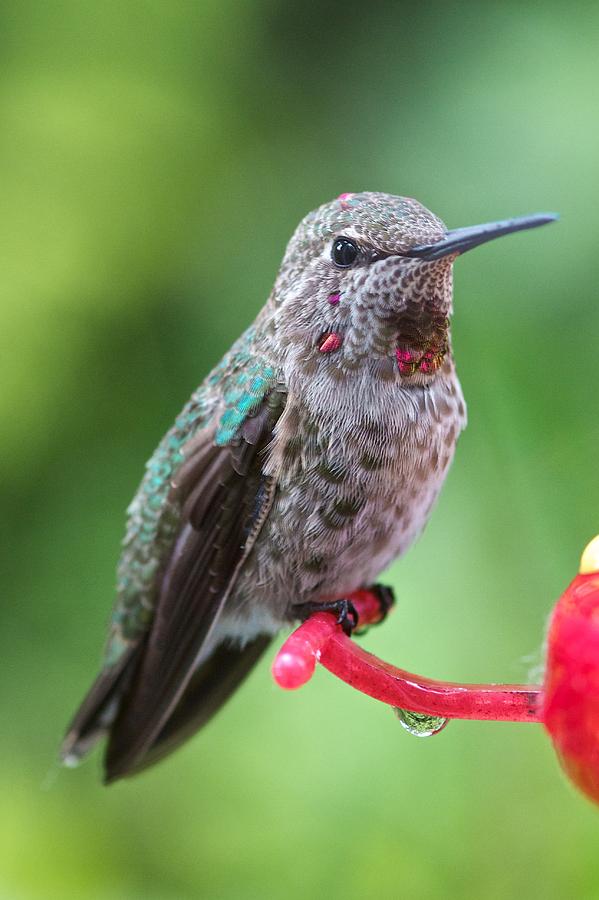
column 589, row 561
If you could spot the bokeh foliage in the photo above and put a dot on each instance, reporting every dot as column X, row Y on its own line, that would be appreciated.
column 155, row 156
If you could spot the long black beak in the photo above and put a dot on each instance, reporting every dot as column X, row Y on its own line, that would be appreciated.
column 461, row 239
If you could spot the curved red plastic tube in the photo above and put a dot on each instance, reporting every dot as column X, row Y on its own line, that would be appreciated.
column 321, row 639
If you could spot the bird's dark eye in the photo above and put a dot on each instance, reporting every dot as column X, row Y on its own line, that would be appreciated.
column 344, row 252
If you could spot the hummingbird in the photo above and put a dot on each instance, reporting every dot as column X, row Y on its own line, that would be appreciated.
column 305, row 462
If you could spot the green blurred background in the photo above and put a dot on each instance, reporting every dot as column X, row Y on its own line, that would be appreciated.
column 154, row 158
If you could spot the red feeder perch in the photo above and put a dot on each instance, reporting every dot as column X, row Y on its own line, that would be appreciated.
column 567, row 703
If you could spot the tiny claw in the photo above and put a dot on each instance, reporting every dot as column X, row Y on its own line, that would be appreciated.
column 386, row 598
column 347, row 617
column 347, row 614
column 380, row 600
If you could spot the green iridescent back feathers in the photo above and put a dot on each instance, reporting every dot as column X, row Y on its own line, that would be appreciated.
column 233, row 390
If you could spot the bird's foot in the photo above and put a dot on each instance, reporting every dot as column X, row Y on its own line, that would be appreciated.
column 385, row 597
column 347, row 615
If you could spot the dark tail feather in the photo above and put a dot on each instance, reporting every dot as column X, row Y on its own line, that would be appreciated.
column 208, row 689
column 93, row 718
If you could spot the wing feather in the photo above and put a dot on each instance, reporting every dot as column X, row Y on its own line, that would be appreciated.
column 225, row 497
column 210, row 686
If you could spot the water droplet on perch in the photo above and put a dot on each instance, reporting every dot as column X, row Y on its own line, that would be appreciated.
column 420, row 724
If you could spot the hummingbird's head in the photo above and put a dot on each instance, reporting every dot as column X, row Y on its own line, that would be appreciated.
column 366, row 282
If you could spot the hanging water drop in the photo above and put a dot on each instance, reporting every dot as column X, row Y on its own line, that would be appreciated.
column 420, row 724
